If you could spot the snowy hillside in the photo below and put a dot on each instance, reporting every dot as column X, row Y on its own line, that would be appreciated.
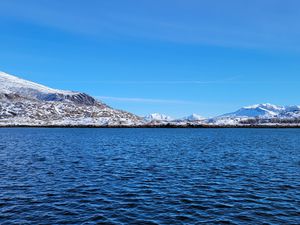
column 26, row 103
column 13, row 85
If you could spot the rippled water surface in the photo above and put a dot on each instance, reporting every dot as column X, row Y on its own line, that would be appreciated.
column 150, row 176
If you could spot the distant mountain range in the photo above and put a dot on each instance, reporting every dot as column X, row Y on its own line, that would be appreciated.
column 157, row 117
column 260, row 114
column 24, row 103
column 163, row 117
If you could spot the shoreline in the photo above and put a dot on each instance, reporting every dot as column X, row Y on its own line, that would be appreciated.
column 154, row 126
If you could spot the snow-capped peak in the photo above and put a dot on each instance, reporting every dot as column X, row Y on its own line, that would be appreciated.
column 157, row 117
column 259, row 110
column 194, row 117
column 266, row 106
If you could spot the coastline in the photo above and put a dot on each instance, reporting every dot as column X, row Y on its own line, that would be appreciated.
column 156, row 126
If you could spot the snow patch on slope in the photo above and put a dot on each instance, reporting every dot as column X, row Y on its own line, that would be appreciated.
column 12, row 84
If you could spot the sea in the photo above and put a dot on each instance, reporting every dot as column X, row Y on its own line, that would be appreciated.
column 149, row 176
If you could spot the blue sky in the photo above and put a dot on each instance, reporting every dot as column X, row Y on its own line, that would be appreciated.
column 168, row 56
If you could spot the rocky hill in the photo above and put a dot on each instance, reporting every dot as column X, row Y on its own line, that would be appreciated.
column 26, row 103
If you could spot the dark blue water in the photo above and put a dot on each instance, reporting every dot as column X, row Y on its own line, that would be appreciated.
column 149, row 176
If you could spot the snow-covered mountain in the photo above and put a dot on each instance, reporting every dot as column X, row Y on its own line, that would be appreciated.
column 260, row 112
column 193, row 117
column 23, row 102
column 157, row 117
column 27, row 103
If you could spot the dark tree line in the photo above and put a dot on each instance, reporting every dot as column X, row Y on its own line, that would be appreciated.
column 255, row 121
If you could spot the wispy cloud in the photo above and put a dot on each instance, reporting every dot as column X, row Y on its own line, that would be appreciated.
column 228, row 80
column 145, row 100
column 228, row 23
column 160, row 82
